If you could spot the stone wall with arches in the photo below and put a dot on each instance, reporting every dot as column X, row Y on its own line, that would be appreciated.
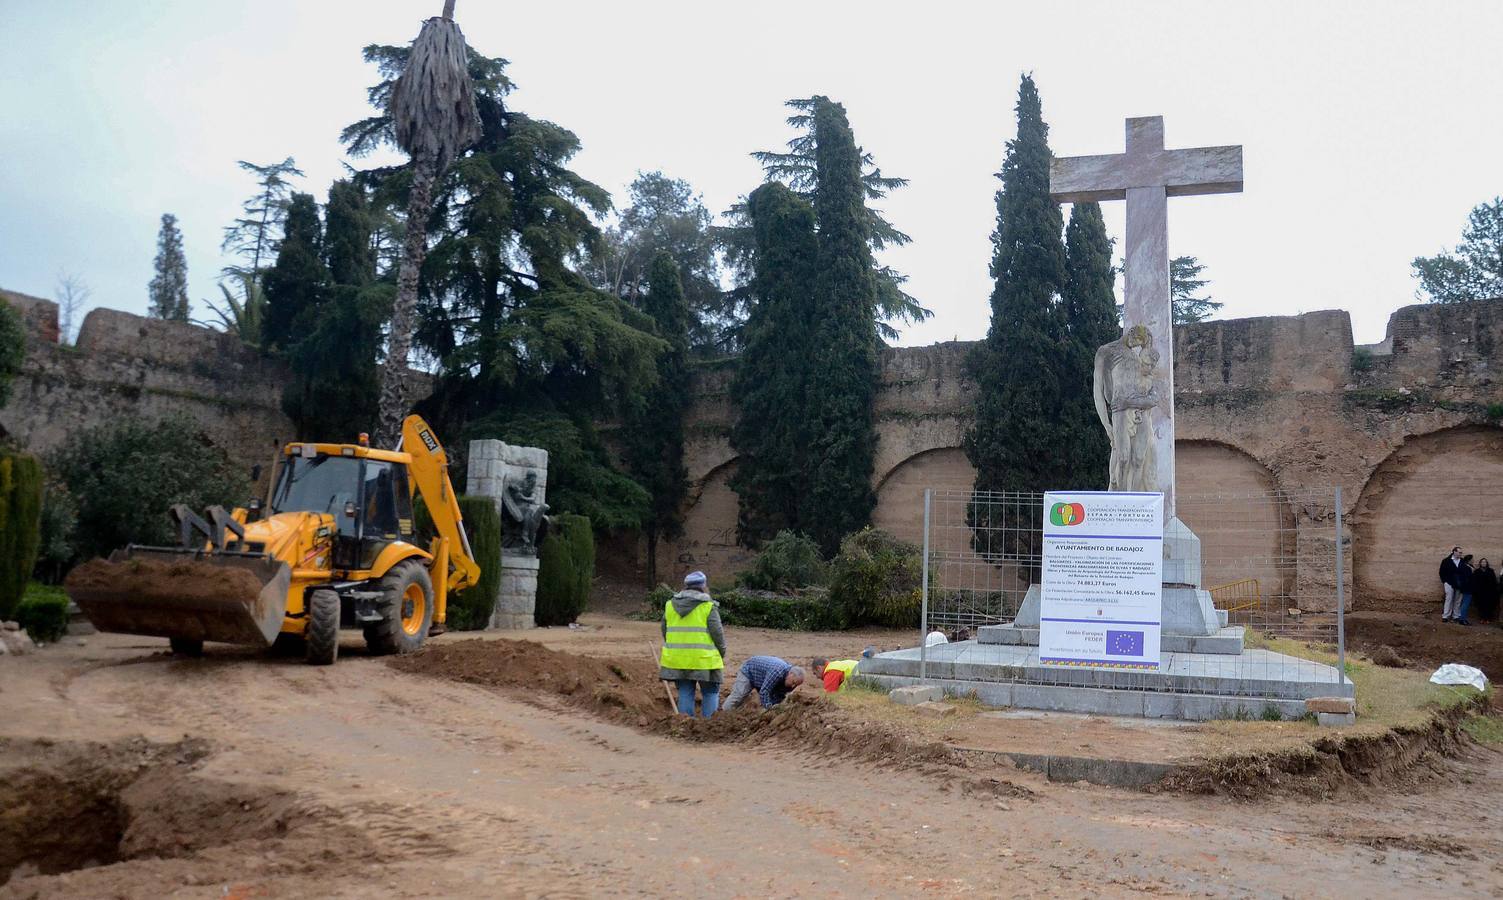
column 1278, row 405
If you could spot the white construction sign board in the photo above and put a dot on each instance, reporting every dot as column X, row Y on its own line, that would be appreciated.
column 1102, row 598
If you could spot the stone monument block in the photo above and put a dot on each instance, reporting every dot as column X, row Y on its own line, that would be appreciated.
column 515, row 479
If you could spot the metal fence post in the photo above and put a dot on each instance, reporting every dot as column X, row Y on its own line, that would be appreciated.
column 1340, row 594
column 924, row 602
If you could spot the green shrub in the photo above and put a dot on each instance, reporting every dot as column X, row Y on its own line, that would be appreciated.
column 657, row 598
column 20, row 532
column 790, row 560
column 43, row 612
column 59, row 521
column 1362, row 359
column 876, row 580
column 471, row 608
column 566, row 570
column 123, row 476
column 811, row 611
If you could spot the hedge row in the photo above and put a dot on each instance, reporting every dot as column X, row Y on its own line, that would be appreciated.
column 566, row 569
column 811, row 610
column 471, row 608
column 20, row 517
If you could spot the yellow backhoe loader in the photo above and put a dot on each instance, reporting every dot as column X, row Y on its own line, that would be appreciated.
column 333, row 547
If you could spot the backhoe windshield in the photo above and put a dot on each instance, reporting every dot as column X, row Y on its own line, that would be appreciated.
column 323, row 484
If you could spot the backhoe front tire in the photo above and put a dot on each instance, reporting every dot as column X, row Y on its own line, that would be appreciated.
column 186, row 647
column 321, row 643
column 406, row 607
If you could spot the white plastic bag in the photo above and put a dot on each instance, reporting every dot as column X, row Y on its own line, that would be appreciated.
column 1456, row 673
column 935, row 637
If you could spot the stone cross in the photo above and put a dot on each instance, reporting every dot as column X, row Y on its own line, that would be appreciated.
column 1146, row 176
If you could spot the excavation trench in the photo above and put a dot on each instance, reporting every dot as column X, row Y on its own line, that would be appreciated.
column 628, row 692
column 75, row 806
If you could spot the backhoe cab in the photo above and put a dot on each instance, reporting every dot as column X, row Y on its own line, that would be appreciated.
column 333, row 547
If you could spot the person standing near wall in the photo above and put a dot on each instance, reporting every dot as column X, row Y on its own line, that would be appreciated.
column 1464, row 588
column 693, row 646
column 1485, row 591
column 1448, row 570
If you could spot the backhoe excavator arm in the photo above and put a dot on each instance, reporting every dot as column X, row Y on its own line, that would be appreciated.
column 430, row 472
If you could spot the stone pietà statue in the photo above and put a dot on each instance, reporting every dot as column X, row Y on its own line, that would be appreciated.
column 1126, row 391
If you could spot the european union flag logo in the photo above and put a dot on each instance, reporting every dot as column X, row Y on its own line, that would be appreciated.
column 1124, row 643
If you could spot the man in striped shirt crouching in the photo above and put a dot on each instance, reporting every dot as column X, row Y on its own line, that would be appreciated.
column 770, row 677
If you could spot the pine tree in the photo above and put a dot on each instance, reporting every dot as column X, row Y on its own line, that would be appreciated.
column 337, row 344
column 770, row 388
column 297, row 280
column 1184, row 282
column 1014, row 442
column 253, row 236
column 798, row 168
column 843, row 358
column 1090, row 318
column 527, row 350
column 169, row 289
column 655, row 427
column 1474, row 270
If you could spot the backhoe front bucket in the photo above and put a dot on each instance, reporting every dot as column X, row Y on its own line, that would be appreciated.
column 191, row 594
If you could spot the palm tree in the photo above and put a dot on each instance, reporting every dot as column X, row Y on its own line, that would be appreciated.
column 241, row 318
column 434, row 116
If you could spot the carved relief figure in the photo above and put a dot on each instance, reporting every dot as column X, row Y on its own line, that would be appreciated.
column 523, row 518
column 1126, row 391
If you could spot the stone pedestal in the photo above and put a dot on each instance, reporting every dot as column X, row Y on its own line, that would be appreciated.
column 516, row 599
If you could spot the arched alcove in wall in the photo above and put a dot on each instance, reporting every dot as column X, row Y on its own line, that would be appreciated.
column 1435, row 491
column 1246, row 529
column 900, row 495
column 955, row 567
column 709, row 538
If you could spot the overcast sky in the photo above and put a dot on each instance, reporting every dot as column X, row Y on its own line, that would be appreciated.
column 1370, row 129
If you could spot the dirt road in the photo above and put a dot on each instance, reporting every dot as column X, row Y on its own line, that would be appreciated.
column 285, row 780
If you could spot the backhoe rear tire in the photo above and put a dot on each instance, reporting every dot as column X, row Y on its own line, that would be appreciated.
column 406, row 608
column 321, row 642
column 186, row 647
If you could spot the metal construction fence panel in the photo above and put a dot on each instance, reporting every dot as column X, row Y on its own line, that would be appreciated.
column 1270, row 560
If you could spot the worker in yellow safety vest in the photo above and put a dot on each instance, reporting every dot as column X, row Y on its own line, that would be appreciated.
column 837, row 673
column 693, row 646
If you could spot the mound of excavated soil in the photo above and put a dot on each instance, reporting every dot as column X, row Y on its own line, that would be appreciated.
column 1427, row 642
column 88, row 813
column 613, row 686
column 628, row 691
column 194, row 582
column 1335, row 765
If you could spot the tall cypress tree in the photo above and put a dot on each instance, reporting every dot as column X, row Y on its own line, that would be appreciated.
column 336, row 343
column 1014, row 442
column 298, row 279
column 843, row 358
column 348, row 223
column 770, row 387
column 1090, row 313
column 169, row 288
column 655, row 426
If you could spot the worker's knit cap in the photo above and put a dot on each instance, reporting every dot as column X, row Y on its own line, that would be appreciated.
column 694, row 578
